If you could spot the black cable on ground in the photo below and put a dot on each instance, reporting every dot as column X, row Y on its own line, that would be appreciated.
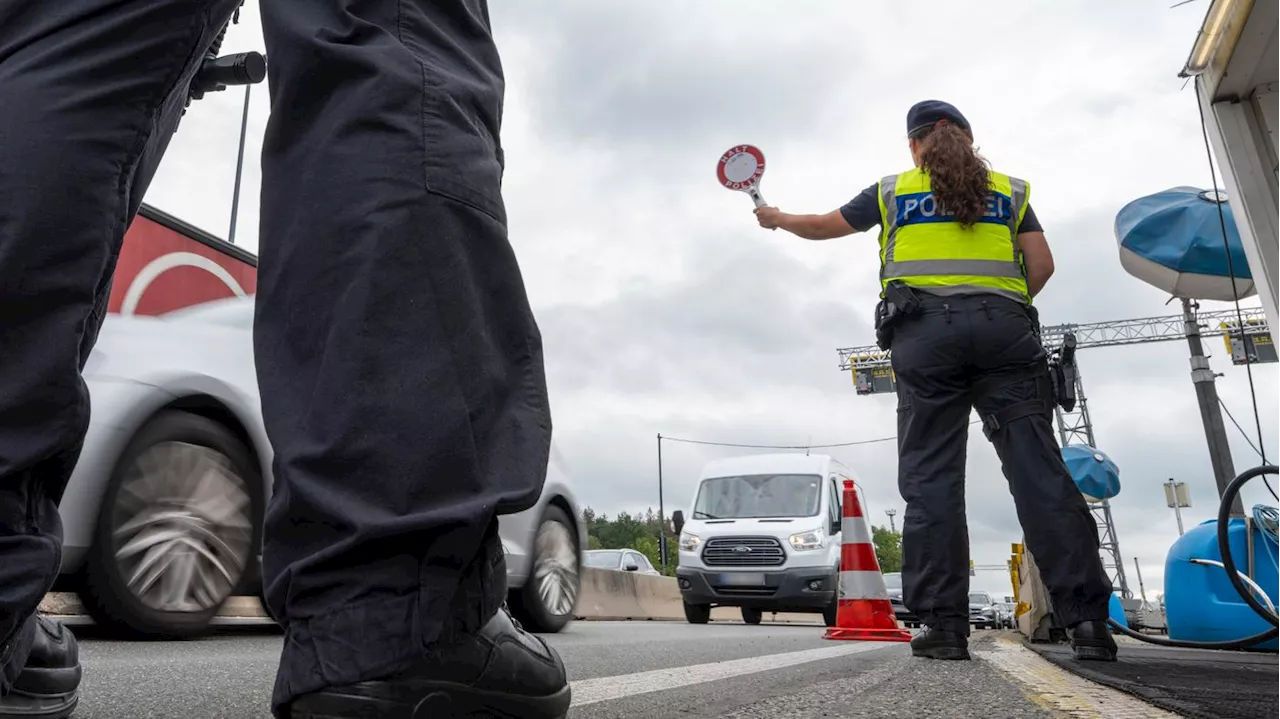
column 1233, row 644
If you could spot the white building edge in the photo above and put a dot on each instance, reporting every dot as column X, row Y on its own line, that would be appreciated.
column 1234, row 64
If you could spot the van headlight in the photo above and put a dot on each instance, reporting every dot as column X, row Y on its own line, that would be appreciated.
column 689, row 542
column 805, row 541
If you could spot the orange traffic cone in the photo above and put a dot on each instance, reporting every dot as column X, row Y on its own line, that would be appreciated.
column 864, row 612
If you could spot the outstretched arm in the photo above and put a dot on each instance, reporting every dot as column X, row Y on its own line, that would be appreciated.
column 809, row 227
column 859, row 215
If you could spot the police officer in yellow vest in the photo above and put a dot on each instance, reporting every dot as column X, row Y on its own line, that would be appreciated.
column 961, row 257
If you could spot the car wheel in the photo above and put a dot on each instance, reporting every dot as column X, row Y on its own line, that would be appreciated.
column 179, row 523
column 697, row 613
column 752, row 616
column 547, row 600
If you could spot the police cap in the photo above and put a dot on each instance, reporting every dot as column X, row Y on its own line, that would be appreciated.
column 926, row 114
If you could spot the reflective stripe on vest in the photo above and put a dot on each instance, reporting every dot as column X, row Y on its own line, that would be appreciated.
column 922, row 248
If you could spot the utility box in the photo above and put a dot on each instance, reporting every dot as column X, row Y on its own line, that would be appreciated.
column 1252, row 346
column 874, row 379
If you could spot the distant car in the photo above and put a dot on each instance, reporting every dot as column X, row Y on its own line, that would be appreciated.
column 893, row 583
column 623, row 560
column 983, row 612
column 163, row 514
column 1007, row 620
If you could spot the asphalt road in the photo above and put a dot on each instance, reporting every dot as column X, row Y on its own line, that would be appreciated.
column 618, row 669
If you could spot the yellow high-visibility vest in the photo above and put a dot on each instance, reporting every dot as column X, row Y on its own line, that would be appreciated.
column 921, row 247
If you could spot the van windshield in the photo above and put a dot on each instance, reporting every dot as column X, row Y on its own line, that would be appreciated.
column 759, row 495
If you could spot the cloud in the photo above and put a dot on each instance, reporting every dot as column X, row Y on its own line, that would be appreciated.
column 666, row 310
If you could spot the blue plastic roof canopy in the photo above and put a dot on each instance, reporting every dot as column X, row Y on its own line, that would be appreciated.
column 1172, row 240
column 1095, row 475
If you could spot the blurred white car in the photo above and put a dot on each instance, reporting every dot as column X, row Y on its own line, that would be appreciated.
column 163, row 514
column 622, row 560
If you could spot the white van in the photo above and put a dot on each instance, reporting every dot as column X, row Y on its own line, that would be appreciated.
column 763, row 535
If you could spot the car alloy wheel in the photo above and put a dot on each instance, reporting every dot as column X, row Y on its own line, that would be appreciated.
column 546, row 601
column 183, row 527
column 555, row 569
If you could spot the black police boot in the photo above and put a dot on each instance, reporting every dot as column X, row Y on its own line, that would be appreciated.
column 500, row 671
column 936, row 643
column 1092, row 641
column 48, row 687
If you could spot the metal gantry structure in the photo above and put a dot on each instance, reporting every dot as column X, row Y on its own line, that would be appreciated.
column 873, row 374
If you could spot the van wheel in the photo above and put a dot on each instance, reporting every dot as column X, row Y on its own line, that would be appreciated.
column 697, row 613
column 830, row 613
column 752, row 616
column 179, row 525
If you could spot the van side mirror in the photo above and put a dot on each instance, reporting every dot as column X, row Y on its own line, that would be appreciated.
column 631, row 566
column 837, row 525
column 677, row 520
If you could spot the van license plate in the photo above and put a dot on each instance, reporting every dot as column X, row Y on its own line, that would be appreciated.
column 742, row 579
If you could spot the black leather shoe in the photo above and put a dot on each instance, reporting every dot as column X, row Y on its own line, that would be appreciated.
column 1092, row 641
column 501, row 671
column 940, row 644
column 49, row 685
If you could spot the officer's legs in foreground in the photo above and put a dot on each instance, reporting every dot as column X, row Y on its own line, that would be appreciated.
column 400, row 366
column 89, row 94
column 1060, row 531
column 933, row 414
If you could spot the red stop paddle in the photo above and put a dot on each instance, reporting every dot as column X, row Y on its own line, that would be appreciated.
column 740, row 168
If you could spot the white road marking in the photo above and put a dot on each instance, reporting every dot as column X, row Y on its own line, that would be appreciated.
column 602, row 689
column 1063, row 692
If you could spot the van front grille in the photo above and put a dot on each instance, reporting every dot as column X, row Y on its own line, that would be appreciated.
column 743, row 552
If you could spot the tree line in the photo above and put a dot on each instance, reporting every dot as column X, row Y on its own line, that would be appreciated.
column 641, row 532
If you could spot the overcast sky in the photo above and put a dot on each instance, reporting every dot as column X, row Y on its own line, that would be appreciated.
column 665, row 309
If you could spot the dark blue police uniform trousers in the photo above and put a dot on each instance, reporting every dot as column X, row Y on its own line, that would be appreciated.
column 400, row 365
column 949, row 360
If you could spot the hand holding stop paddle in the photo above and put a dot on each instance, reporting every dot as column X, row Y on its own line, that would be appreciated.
column 740, row 169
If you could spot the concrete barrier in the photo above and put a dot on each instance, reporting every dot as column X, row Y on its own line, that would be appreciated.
column 610, row 595
column 606, row 595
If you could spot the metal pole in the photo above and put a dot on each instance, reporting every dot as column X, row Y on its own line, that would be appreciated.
column 662, row 514
column 235, row 194
column 1215, row 431
column 1142, row 590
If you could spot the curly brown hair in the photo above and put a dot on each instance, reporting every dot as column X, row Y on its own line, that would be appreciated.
column 957, row 173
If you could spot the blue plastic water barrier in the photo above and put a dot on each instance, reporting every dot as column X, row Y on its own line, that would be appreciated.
column 1201, row 605
column 1116, row 611
column 1096, row 476
column 1173, row 240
